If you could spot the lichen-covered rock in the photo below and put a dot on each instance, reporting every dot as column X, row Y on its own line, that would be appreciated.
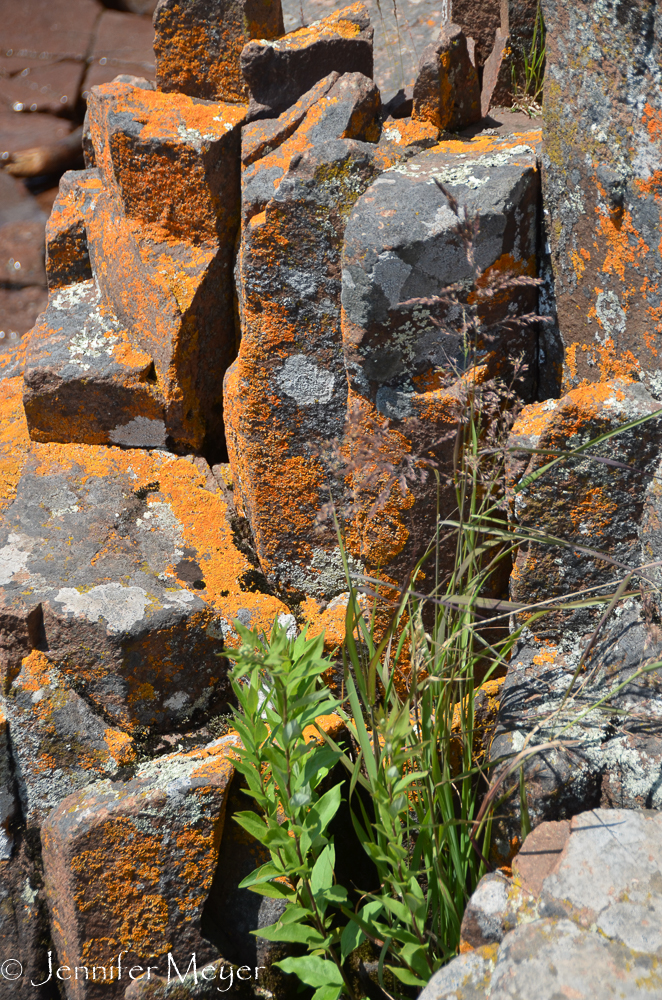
column 478, row 21
column 120, row 565
column 342, row 108
column 67, row 256
column 59, row 744
column 198, row 44
column 602, row 132
column 402, row 244
column 447, row 92
column 147, row 343
column 128, row 868
column 593, row 504
column 286, row 395
column 279, row 72
column 593, row 929
column 497, row 76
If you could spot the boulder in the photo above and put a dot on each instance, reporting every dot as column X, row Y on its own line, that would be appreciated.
column 198, row 44
column 151, row 336
column 601, row 188
column 592, row 928
column 447, row 92
column 404, row 349
column 337, row 107
column 123, row 43
column 59, row 744
column 479, row 21
column 67, row 255
column 128, row 867
column 279, row 72
column 497, row 75
column 595, row 504
column 289, row 379
column 136, row 614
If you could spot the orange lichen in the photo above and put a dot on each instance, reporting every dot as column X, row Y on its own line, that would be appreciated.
column 14, row 438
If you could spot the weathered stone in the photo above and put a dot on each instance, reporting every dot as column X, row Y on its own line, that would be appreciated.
column 53, row 28
column 347, row 110
column 36, row 85
column 8, row 803
column 260, row 138
column 137, row 611
column 601, row 142
column 198, row 44
column 401, row 244
column 410, row 132
column 128, row 867
column 59, row 744
column 289, row 376
column 595, row 929
column 540, row 853
column 278, row 73
column 478, row 21
column 497, row 75
column 447, row 92
column 67, row 256
column 162, row 279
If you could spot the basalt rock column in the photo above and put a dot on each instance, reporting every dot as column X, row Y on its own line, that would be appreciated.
column 138, row 334
column 198, row 44
column 402, row 244
column 602, row 134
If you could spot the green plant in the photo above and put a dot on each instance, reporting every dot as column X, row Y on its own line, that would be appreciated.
column 528, row 77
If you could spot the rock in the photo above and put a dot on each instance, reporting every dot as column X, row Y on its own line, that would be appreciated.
column 595, row 926
column 497, row 75
column 401, row 243
column 290, row 370
column 156, row 326
column 8, row 803
column 67, row 255
column 479, row 22
column 16, row 204
column 539, row 855
column 278, row 73
column 36, row 144
column 59, row 744
column 137, row 615
column 411, row 132
column 198, row 45
column 123, row 43
column 601, row 189
column 347, row 109
column 128, row 867
column 447, row 92
column 54, row 29
column 19, row 309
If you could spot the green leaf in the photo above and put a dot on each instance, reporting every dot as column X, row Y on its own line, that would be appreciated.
column 274, row 890
column 322, row 873
column 294, row 933
column 405, row 976
column 262, row 874
column 312, row 970
column 252, row 823
column 327, row 993
column 324, row 810
column 350, row 939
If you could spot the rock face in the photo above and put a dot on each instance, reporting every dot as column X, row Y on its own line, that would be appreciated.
column 598, row 504
column 593, row 927
column 404, row 351
column 198, row 44
column 601, row 186
column 139, row 856
column 136, row 356
column 278, row 73
column 447, row 92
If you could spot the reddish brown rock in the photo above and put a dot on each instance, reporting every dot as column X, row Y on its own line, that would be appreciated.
column 198, row 44
column 122, row 44
column 540, row 854
column 128, row 867
column 22, row 135
column 67, row 256
column 59, row 744
column 478, row 21
column 35, row 85
column 446, row 92
column 497, row 75
column 161, row 306
column 19, row 309
column 278, row 73
column 22, row 254
column 53, row 28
